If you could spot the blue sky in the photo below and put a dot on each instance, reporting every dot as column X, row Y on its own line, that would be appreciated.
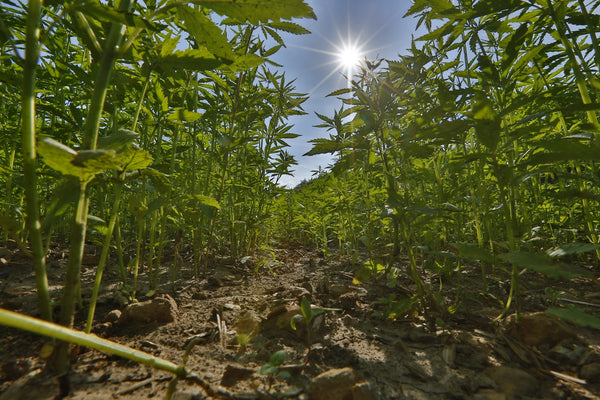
column 375, row 26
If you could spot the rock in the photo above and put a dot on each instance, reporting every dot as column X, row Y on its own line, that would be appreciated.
column 158, row 310
column 513, row 380
column 278, row 321
column 539, row 329
column 113, row 316
column 339, row 384
column 335, row 384
column 590, row 372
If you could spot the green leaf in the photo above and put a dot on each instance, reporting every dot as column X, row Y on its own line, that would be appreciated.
column 306, row 309
column 472, row 251
column 568, row 249
column 184, row 115
column 321, row 146
column 340, row 92
column 540, row 263
column 133, row 159
column 289, row 27
column 277, row 358
column 576, row 316
column 97, row 10
column 244, row 63
column 256, row 11
column 118, row 141
column 205, row 200
column 58, row 156
column 295, row 318
column 206, row 33
column 192, row 59
column 268, row 369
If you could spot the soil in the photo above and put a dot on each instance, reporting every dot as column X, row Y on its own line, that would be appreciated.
column 426, row 353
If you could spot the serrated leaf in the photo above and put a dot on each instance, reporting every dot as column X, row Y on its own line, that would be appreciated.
column 95, row 161
column 256, row 11
column 244, row 63
column 340, row 92
column 206, row 33
column 134, row 159
column 58, row 156
column 102, row 12
column 289, row 27
column 193, row 59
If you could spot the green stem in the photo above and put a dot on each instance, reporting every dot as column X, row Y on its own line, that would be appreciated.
column 104, row 254
column 30, row 158
column 23, row 322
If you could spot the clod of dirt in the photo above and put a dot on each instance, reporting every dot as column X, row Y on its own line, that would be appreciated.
column 539, row 329
column 590, row 372
column 513, row 381
column 278, row 322
column 235, row 373
column 113, row 316
column 339, row 384
column 158, row 310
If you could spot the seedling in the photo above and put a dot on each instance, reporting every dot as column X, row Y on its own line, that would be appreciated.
column 273, row 367
column 308, row 314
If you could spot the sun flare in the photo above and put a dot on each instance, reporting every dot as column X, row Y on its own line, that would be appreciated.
column 349, row 57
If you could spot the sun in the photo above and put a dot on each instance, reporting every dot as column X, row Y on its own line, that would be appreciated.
column 349, row 57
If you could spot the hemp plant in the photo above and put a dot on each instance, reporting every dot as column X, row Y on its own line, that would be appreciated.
column 308, row 315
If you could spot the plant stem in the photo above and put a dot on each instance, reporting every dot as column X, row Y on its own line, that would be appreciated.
column 19, row 321
column 104, row 254
column 30, row 158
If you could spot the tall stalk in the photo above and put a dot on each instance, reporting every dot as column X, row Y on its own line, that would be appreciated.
column 28, row 131
column 78, row 231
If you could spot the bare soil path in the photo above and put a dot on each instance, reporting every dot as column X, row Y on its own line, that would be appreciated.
column 239, row 316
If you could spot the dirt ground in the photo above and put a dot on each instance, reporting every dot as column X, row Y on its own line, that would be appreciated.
column 356, row 353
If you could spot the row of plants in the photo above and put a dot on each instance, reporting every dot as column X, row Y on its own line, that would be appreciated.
column 481, row 143
column 158, row 123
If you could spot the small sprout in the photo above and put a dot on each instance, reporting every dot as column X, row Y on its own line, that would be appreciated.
column 273, row 367
column 308, row 314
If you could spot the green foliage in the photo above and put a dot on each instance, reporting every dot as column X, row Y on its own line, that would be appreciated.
column 273, row 366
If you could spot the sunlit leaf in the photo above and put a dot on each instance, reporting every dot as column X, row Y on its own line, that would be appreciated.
column 206, row 33
column 205, row 200
column 256, row 11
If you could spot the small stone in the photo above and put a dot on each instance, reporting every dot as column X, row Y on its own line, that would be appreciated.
column 335, row 384
column 158, row 310
column 113, row 316
column 513, row 380
column 590, row 372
